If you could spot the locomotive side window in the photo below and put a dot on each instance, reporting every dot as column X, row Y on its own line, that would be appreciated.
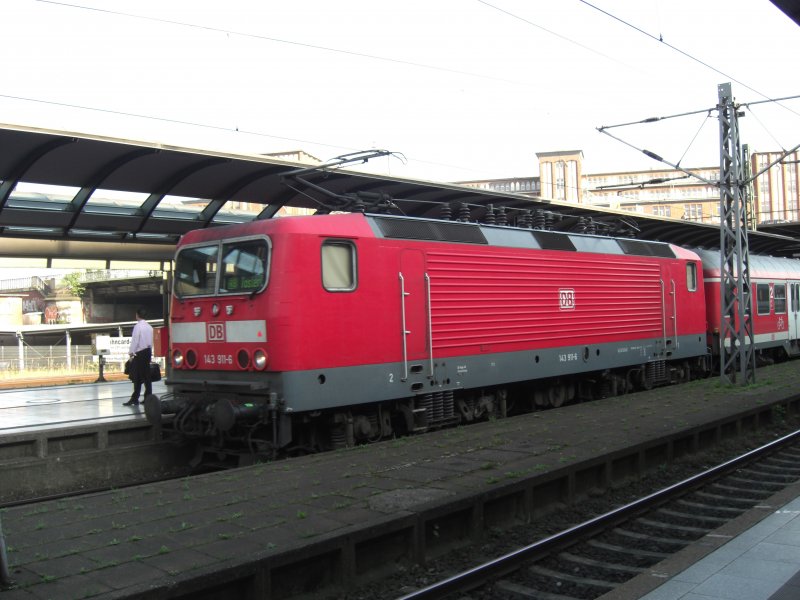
column 244, row 266
column 762, row 298
column 338, row 266
column 196, row 271
column 779, row 292
column 691, row 277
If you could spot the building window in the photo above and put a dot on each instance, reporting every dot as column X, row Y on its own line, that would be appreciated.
column 693, row 212
column 662, row 211
column 791, row 192
column 572, row 181
column 560, row 182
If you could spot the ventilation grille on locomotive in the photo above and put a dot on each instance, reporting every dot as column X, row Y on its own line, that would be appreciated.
column 431, row 230
column 641, row 248
column 549, row 240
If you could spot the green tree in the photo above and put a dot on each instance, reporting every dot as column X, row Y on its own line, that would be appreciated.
column 74, row 284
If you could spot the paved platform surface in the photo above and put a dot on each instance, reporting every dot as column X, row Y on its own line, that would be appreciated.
column 762, row 563
column 184, row 536
column 57, row 406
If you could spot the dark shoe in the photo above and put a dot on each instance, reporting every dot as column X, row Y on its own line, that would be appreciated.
column 130, row 403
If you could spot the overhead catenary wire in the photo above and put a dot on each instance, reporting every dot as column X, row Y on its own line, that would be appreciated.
column 550, row 31
column 658, row 158
column 694, row 139
column 74, row 5
column 641, row 184
column 766, row 129
column 604, row 129
column 772, row 164
column 221, row 128
column 660, row 40
column 706, row 111
column 273, row 39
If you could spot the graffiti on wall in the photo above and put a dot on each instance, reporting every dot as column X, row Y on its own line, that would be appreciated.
column 63, row 312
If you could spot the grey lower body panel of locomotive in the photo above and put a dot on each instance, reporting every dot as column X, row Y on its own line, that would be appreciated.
column 332, row 407
column 344, row 386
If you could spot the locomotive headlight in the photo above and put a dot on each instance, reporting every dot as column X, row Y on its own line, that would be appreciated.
column 177, row 359
column 260, row 359
column 229, row 309
column 215, row 309
column 196, row 311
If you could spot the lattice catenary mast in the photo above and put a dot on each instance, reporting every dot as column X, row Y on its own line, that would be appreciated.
column 736, row 338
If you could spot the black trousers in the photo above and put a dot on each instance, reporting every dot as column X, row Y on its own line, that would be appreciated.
column 140, row 373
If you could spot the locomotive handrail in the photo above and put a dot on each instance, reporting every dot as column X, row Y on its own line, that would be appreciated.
column 403, row 295
column 430, row 325
column 674, row 313
column 663, row 316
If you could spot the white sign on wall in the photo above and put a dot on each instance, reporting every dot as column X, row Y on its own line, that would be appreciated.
column 113, row 348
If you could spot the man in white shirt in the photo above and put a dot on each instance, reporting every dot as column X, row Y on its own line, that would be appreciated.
column 140, row 352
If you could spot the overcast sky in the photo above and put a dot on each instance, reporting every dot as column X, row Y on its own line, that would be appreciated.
column 464, row 89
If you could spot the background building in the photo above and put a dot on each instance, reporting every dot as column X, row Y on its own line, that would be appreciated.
column 671, row 193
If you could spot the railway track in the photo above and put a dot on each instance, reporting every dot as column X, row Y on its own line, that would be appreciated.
column 593, row 558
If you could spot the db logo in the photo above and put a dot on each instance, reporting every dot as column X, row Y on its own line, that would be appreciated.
column 566, row 299
column 216, row 332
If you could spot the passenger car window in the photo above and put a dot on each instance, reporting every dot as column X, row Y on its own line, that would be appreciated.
column 779, row 293
column 762, row 298
column 338, row 266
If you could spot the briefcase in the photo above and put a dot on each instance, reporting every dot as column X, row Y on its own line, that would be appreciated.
column 155, row 372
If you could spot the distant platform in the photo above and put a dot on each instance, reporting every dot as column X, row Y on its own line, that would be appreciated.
column 25, row 409
column 59, row 439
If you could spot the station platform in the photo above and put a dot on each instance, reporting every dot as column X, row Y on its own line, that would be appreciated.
column 760, row 563
column 290, row 528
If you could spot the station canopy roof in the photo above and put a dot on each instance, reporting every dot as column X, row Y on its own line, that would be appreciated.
column 129, row 200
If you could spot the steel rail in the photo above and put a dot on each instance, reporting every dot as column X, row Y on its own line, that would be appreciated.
column 511, row 561
column 5, row 575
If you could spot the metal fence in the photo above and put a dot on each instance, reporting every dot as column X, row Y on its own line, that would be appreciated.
column 51, row 358
column 25, row 283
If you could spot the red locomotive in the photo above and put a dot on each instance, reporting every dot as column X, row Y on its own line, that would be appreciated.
column 327, row 330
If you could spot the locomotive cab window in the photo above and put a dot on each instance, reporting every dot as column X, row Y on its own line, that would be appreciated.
column 196, row 271
column 338, row 266
column 244, row 266
column 691, row 276
column 233, row 267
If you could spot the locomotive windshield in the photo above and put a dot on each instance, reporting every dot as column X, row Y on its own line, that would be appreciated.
column 229, row 267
